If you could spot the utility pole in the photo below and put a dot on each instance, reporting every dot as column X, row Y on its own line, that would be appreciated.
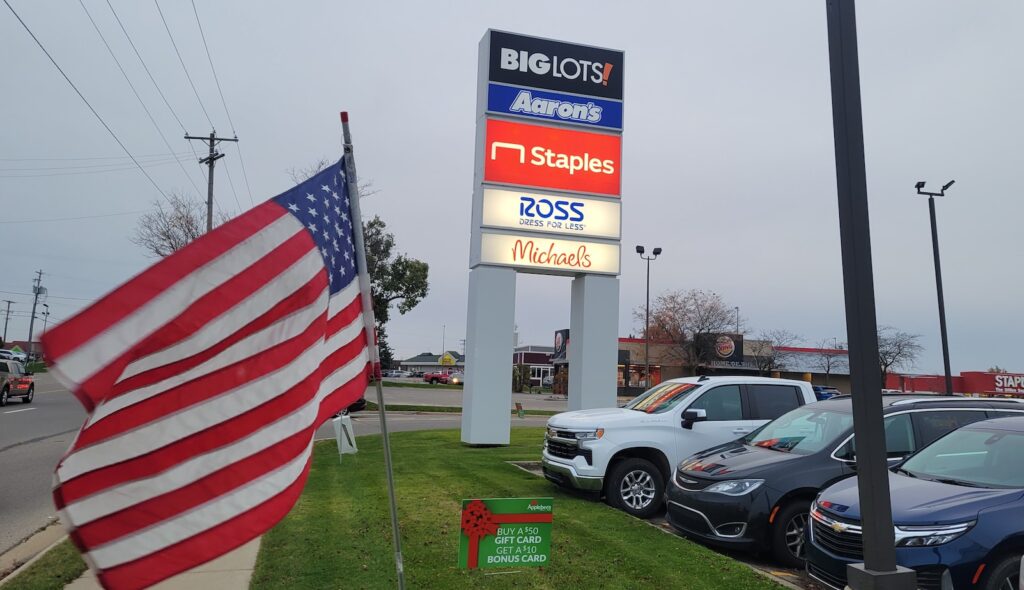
column 7, row 318
column 37, row 290
column 212, row 141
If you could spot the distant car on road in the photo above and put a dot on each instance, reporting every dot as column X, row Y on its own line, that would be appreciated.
column 445, row 378
column 15, row 381
column 13, row 355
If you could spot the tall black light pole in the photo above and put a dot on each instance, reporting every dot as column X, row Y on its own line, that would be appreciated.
column 938, row 277
column 647, row 320
column 879, row 570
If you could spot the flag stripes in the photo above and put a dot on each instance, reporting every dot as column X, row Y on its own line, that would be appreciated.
column 206, row 377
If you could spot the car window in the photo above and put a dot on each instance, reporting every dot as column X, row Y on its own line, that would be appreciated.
column 1003, row 413
column 899, row 439
column 720, row 403
column 973, row 456
column 934, row 425
column 3, row 368
column 803, row 431
column 768, row 402
column 661, row 398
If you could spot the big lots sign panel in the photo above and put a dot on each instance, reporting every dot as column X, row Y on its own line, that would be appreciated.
column 552, row 157
column 566, row 216
column 544, row 63
column 550, row 255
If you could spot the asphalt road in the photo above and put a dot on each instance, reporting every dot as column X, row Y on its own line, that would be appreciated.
column 33, row 437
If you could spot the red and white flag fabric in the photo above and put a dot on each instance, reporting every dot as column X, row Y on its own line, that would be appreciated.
column 205, row 378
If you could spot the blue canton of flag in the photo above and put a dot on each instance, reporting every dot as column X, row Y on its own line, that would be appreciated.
column 322, row 205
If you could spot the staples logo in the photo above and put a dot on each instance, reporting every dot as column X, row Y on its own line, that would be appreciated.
column 519, row 153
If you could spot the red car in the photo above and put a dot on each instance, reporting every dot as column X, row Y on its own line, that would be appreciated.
column 453, row 378
column 15, row 381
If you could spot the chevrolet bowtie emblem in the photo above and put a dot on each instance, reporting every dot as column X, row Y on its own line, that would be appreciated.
column 839, row 527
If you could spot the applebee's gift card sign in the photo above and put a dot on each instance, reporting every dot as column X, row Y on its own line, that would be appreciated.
column 505, row 532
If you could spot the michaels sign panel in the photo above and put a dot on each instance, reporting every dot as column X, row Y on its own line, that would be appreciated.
column 519, row 60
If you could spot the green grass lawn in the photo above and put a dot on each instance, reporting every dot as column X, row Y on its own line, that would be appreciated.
column 372, row 407
column 59, row 567
column 339, row 533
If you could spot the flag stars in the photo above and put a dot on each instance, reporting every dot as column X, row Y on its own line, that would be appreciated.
column 336, row 248
column 293, row 207
column 327, row 203
column 326, row 188
column 335, row 195
column 344, row 217
column 312, row 227
column 337, row 210
column 312, row 212
column 310, row 196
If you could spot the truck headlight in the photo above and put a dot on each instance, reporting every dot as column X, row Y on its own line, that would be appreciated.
column 734, row 487
column 590, row 434
column 930, row 535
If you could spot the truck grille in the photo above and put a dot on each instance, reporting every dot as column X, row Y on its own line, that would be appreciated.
column 568, row 451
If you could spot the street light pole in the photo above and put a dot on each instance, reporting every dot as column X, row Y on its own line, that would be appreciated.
column 938, row 278
column 737, row 320
column 647, row 319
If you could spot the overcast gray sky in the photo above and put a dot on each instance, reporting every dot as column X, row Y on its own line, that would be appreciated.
column 728, row 151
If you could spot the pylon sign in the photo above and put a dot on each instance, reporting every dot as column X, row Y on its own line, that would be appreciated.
column 558, row 134
column 547, row 199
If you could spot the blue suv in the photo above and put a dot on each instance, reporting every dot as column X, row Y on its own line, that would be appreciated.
column 958, row 508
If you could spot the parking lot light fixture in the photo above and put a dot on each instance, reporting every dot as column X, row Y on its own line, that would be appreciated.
column 938, row 277
column 647, row 317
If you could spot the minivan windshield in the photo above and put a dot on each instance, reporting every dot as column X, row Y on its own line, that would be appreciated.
column 802, row 431
column 662, row 398
column 972, row 457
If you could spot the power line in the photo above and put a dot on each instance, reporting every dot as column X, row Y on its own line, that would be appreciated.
column 145, row 67
column 136, row 93
column 148, row 161
column 77, row 218
column 182, row 61
column 113, row 168
column 223, row 102
column 80, row 95
column 141, row 157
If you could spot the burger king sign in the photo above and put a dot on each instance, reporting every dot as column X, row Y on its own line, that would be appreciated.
column 725, row 347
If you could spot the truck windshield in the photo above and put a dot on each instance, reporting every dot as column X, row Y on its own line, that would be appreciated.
column 661, row 398
column 802, row 431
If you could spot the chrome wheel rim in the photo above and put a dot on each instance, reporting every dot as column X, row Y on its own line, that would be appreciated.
column 795, row 535
column 637, row 489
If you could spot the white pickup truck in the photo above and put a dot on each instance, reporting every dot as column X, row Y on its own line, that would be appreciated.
column 629, row 453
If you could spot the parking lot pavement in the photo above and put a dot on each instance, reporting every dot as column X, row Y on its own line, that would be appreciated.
column 441, row 396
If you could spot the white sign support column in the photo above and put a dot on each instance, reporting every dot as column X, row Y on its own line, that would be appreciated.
column 487, row 396
column 594, row 342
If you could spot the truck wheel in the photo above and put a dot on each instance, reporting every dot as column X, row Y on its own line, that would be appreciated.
column 788, row 534
column 433, row 381
column 1004, row 575
column 635, row 486
column 3, row 397
column 31, row 394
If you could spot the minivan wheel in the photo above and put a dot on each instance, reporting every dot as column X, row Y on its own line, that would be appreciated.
column 3, row 397
column 31, row 394
column 788, row 534
column 635, row 486
column 433, row 381
column 1004, row 574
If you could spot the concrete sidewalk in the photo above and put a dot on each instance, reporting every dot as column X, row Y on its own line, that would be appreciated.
column 228, row 572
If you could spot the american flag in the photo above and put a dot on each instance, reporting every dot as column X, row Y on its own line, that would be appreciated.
column 205, row 378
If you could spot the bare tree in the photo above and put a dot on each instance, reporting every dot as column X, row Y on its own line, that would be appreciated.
column 684, row 317
column 171, row 225
column 896, row 349
column 828, row 359
column 767, row 349
column 304, row 173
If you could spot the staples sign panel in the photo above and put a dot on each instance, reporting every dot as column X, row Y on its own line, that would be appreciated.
column 566, row 216
column 549, row 254
column 552, row 157
column 566, row 67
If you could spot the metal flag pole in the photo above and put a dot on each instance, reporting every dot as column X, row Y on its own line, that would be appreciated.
column 364, row 279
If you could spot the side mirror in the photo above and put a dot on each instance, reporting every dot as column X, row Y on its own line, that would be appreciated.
column 692, row 416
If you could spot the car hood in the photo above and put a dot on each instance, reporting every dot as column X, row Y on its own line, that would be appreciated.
column 604, row 418
column 735, row 459
column 919, row 501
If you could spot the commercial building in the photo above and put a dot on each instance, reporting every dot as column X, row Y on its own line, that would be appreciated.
column 428, row 362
